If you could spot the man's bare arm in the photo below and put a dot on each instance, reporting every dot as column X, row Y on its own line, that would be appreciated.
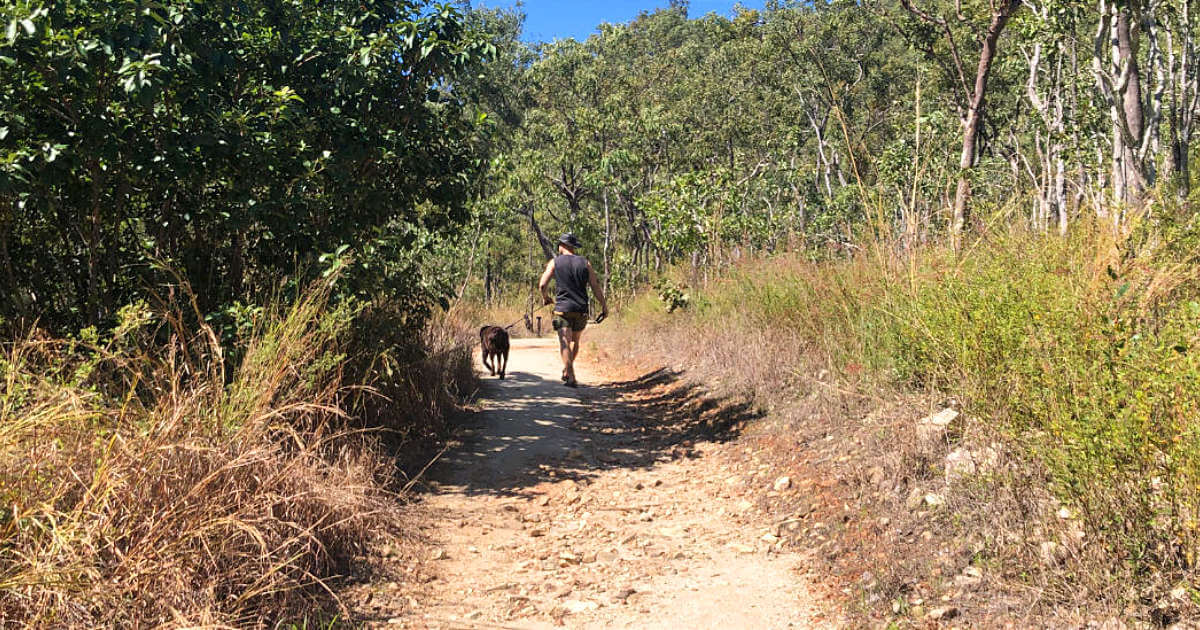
column 544, row 283
column 594, row 282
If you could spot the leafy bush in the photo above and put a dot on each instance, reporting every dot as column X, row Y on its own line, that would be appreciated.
column 672, row 295
column 233, row 141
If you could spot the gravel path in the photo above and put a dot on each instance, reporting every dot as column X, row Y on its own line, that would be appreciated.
column 570, row 508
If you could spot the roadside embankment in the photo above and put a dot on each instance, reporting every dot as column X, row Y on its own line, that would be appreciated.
column 1005, row 429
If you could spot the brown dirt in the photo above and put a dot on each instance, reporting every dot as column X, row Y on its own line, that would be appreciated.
column 622, row 504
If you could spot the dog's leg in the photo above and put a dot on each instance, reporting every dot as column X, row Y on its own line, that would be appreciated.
column 503, row 366
column 486, row 361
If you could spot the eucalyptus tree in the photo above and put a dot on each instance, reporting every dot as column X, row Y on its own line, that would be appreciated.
column 981, row 24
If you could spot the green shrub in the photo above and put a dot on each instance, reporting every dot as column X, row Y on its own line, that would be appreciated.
column 1083, row 353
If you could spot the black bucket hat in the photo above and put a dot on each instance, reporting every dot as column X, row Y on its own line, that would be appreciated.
column 569, row 240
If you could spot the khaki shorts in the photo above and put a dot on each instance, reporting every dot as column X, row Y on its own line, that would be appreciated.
column 574, row 321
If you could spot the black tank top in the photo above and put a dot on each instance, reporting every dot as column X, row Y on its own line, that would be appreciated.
column 571, row 281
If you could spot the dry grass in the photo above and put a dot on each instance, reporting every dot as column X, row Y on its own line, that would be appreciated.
column 142, row 486
column 1072, row 360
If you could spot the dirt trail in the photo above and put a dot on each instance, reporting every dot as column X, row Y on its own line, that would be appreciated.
column 565, row 508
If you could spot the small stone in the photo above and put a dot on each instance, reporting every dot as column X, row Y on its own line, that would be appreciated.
column 942, row 418
column 770, row 539
column 877, row 476
column 623, row 594
column 740, row 548
column 438, row 554
column 934, row 500
column 537, row 532
column 973, row 572
column 933, row 428
column 782, row 483
column 915, row 498
column 575, row 606
column 959, row 464
column 942, row 613
column 1065, row 513
column 1051, row 553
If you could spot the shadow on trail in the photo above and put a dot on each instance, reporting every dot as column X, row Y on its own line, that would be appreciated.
column 533, row 430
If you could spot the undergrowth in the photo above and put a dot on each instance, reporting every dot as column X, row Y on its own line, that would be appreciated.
column 143, row 485
column 1080, row 354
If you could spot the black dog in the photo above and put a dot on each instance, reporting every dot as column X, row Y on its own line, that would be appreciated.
column 494, row 343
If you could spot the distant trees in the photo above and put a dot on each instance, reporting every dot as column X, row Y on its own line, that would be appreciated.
column 682, row 138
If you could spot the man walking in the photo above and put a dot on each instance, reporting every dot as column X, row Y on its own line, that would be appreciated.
column 572, row 276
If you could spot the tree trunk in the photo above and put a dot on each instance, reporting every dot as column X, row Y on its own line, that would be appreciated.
column 10, row 277
column 975, row 112
column 547, row 245
column 487, row 283
column 1184, row 75
column 93, row 249
column 1130, row 181
column 607, row 241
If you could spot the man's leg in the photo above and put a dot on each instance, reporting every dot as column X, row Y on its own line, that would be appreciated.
column 564, row 348
column 573, row 337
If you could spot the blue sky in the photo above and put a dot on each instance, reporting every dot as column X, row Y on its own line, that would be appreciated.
column 557, row 19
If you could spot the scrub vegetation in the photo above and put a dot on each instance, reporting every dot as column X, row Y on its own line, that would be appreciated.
column 244, row 248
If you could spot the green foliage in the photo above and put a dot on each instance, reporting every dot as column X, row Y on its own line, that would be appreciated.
column 1082, row 353
column 672, row 295
column 697, row 138
column 235, row 142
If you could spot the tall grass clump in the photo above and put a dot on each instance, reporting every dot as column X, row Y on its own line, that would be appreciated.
column 1081, row 354
column 143, row 485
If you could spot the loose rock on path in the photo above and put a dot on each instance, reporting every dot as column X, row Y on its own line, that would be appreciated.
column 564, row 508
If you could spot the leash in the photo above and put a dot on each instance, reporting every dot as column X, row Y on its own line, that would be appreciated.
column 522, row 317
